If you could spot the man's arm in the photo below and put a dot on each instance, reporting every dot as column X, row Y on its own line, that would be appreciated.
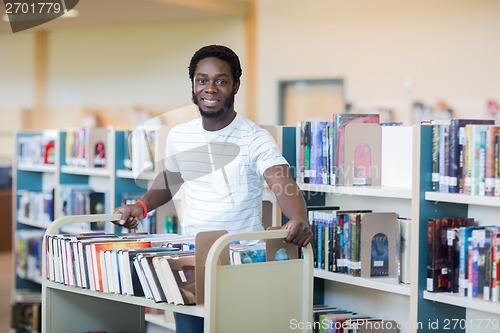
column 164, row 187
column 291, row 202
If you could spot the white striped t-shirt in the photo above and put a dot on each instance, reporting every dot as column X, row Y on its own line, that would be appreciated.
column 223, row 172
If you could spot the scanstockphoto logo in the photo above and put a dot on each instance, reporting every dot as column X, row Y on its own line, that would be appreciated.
column 24, row 15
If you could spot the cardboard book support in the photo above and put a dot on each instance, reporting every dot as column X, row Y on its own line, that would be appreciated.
column 362, row 154
column 203, row 243
column 379, row 239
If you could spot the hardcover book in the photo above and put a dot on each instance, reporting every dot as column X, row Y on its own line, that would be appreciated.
column 437, row 272
column 404, row 250
column 492, row 133
column 179, row 272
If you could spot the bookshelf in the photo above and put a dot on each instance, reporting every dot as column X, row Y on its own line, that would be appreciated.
column 365, row 295
column 415, row 309
column 70, row 308
column 461, row 314
column 34, row 174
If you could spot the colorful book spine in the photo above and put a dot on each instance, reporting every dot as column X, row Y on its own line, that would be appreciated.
column 435, row 158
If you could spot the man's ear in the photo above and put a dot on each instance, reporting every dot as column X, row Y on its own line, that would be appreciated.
column 236, row 87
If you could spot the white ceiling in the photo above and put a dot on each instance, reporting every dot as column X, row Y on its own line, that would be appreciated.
column 98, row 13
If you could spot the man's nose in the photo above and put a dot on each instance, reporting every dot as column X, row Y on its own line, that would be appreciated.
column 211, row 87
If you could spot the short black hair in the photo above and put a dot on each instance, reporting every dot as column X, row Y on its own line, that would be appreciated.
column 221, row 52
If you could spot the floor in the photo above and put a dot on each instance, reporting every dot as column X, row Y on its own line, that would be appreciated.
column 6, row 287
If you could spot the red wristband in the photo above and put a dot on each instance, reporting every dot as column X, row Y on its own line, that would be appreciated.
column 144, row 208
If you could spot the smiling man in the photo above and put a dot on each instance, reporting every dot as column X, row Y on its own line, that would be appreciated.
column 223, row 159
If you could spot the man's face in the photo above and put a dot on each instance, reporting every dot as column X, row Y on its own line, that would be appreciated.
column 213, row 87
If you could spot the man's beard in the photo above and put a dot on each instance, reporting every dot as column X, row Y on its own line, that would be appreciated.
column 215, row 114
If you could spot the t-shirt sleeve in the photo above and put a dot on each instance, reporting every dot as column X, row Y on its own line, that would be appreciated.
column 264, row 151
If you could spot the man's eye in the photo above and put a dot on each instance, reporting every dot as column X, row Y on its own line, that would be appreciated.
column 221, row 82
column 202, row 81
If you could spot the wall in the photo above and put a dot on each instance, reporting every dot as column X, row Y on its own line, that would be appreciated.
column 113, row 69
column 389, row 52
column 16, row 86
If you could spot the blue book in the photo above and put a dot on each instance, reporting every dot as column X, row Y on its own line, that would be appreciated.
column 317, row 165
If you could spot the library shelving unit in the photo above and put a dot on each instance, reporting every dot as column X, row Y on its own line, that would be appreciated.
column 33, row 174
column 411, row 306
column 364, row 295
column 275, row 292
column 40, row 171
column 72, row 175
column 382, row 297
column 447, row 311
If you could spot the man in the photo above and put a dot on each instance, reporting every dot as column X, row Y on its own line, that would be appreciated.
column 223, row 159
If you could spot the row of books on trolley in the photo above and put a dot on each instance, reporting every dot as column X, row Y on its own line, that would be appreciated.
column 160, row 267
column 464, row 258
column 465, row 156
column 360, row 242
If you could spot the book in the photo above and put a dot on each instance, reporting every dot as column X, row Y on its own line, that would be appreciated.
column 495, row 278
column 141, row 276
column 404, row 249
column 453, row 258
column 437, row 273
column 443, row 157
column 162, row 279
column 248, row 253
column 490, row 231
column 491, row 157
column 304, row 152
column 475, row 163
column 476, row 272
column 96, row 204
column 354, row 268
column 179, row 272
column 435, row 158
column 496, row 191
column 463, row 283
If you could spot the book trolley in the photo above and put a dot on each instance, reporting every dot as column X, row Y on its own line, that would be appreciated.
column 258, row 297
